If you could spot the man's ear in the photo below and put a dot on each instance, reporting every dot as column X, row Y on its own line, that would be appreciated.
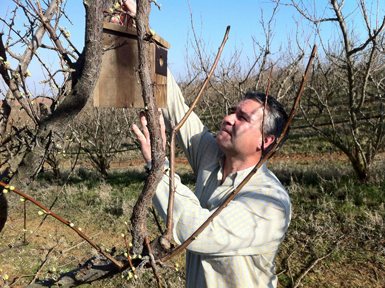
column 269, row 140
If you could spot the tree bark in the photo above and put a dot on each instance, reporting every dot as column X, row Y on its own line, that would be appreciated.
column 139, row 216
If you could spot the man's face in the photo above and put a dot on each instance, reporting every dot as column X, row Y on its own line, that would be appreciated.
column 241, row 130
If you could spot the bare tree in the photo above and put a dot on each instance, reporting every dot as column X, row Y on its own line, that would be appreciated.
column 346, row 89
column 101, row 133
column 83, row 70
column 55, row 158
column 234, row 75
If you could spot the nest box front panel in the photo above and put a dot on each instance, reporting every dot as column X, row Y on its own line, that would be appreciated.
column 119, row 83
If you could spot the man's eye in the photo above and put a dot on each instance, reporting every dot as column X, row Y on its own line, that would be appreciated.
column 231, row 110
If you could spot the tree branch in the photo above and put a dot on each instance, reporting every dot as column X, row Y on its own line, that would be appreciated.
column 175, row 129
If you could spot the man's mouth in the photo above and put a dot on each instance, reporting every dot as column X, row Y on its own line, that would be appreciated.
column 224, row 130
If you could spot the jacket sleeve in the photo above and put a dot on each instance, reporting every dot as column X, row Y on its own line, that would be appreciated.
column 193, row 137
column 255, row 221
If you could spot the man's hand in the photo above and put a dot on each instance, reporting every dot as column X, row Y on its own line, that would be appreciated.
column 144, row 138
column 127, row 5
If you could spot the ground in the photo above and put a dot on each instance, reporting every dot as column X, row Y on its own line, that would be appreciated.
column 333, row 216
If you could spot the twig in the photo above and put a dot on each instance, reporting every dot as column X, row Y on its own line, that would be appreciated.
column 80, row 243
column 15, row 280
column 375, row 273
column 18, row 244
column 280, row 273
column 57, row 196
column 156, row 219
column 169, row 224
column 255, row 169
column 359, row 271
column 264, row 110
column 9, row 138
column 69, row 224
column 25, row 222
column 128, row 254
column 128, row 227
column 152, row 262
column 298, row 282
column 288, row 267
column 43, row 264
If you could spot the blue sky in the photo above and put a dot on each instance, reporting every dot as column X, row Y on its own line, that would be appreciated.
column 211, row 17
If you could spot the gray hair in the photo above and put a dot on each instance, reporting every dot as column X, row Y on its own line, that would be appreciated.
column 276, row 117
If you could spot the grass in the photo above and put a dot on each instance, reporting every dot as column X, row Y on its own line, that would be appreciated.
column 100, row 207
column 332, row 213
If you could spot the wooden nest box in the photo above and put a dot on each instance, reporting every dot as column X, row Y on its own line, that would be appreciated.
column 119, row 84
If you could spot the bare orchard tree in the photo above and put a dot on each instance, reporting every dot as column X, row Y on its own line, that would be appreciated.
column 102, row 133
column 56, row 157
column 81, row 73
column 235, row 76
column 347, row 84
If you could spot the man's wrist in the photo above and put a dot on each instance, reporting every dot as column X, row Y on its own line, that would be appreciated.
column 166, row 164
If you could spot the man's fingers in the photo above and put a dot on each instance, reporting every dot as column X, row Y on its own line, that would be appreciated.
column 144, row 137
column 130, row 5
column 143, row 120
column 115, row 19
column 144, row 143
column 137, row 131
column 139, row 134
column 161, row 119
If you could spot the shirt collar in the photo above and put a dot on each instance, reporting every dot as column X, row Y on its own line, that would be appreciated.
column 237, row 177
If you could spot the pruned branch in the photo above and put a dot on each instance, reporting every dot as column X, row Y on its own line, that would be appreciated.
column 265, row 110
column 175, row 129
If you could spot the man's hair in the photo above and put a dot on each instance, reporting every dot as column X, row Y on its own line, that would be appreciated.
column 276, row 117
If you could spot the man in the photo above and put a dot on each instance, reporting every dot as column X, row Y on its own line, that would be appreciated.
column 239, row 246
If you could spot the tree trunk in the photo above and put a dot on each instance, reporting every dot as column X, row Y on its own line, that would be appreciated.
column 362, row 170
column 139, row 216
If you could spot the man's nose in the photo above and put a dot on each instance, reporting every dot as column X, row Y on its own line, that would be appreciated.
column 229, row 119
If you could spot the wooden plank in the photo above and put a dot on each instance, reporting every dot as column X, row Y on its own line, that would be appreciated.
column 161, row 41
column 132, row 31
column 119, row 83
column 120, row 28
column 160, row 91
column 160, row 83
